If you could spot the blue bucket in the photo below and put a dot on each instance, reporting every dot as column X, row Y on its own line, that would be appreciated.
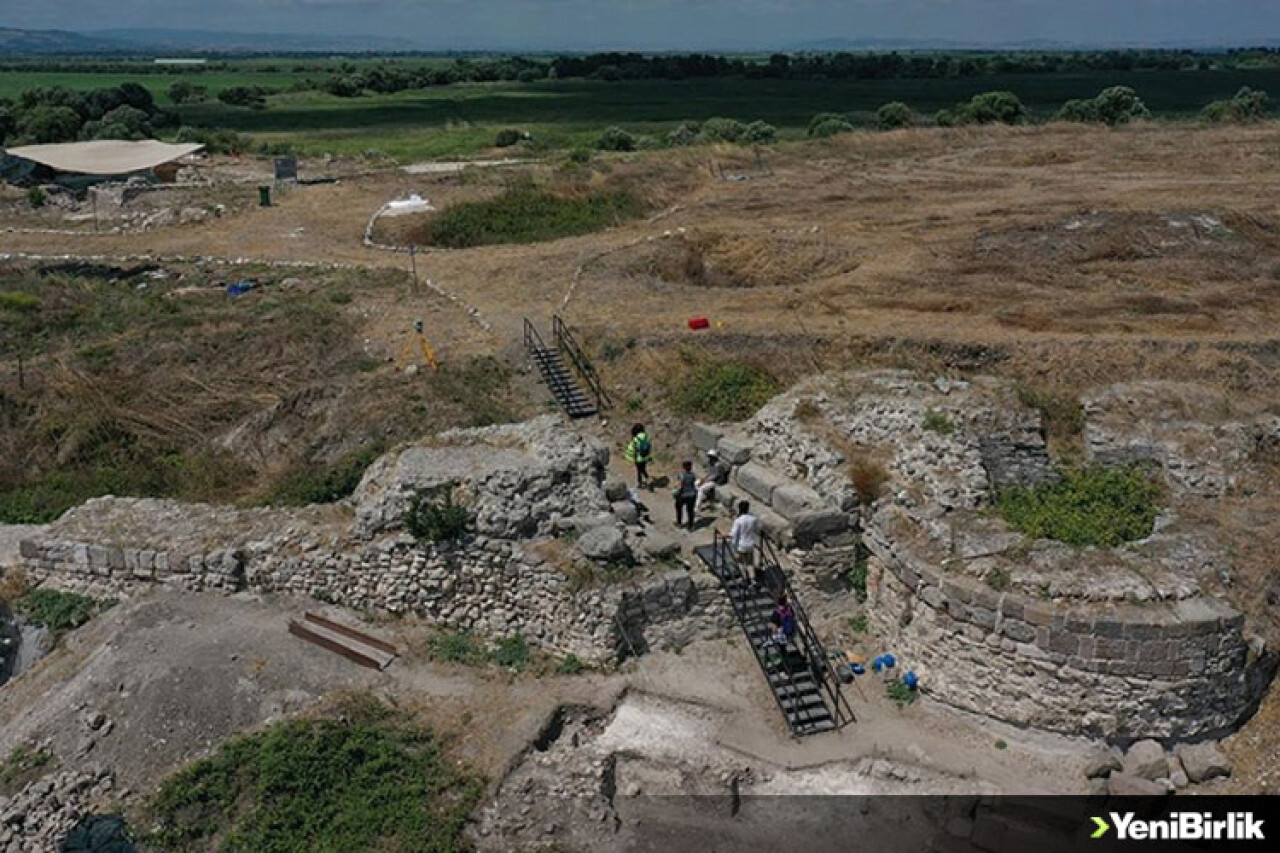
column 889, row 661
column 911, row 679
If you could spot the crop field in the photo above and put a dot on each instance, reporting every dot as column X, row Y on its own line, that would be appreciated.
column 461, row 119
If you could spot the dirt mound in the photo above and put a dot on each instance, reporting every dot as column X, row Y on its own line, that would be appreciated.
column 717, row 259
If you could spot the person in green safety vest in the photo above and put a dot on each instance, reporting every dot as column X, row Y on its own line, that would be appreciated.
column 639, row 452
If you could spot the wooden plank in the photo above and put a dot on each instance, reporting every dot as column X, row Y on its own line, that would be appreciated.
column 300, row 630
column 358, row 636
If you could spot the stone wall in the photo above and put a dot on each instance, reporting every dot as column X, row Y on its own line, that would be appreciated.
column 1179, row 670
column 492, row 587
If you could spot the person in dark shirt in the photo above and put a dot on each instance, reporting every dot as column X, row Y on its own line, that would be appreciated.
column 686, row 495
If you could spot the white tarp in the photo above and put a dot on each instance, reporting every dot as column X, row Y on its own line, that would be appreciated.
column 105, row 156
column 413, row 204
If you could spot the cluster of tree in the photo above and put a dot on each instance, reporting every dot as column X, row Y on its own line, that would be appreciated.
column 253, row 97
column 986, row 108
column 186, row 92
column 351, row 80
column 713, row 130
column 1248, row 105
column 1113, row 106
column 57, row 114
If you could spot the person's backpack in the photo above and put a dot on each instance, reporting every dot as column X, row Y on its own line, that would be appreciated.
column 643, row 445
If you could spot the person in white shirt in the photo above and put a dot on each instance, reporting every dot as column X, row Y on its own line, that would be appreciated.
column 744, row 538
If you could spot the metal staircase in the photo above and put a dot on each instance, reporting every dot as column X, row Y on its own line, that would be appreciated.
column 800, row 676
column 556, row 375
column 555, row 372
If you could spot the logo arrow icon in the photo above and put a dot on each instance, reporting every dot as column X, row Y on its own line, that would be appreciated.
column 1103, row 826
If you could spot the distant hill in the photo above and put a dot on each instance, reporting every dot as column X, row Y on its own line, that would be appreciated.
column 14, row 42
column 198, row 41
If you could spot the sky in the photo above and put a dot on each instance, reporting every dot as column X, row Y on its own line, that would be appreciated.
column 680, row 24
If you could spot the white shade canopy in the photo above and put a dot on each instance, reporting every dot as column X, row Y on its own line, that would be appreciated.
column 105, row 156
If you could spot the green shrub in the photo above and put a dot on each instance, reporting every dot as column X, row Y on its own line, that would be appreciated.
column 36, row 197
column 527, row 215
column 935, row 421
column 999, row 579
column 570, row 664
column 1084, row 110
column 986, row 108
column 823, row 118
column 436, row 520
column 858, row 623
column 507, row 137
column 581, row 156
column 685, row 134
column 1114, row 105
column 723, row 390
column 759, row 133
column 370, row 780
column 856, row 577
column 23, row 765
column 310, row 484
column 512, row 652
column 893, row 115
column 56, row 610
column 1098, row 506
column 616, row 139
column 1248, row 105
column 457, row 647
column 829, row 128
column 721, row 130
column 900, row 693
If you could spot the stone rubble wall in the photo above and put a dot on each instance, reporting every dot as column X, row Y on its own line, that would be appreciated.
column 489, row 586
column 1173, row 671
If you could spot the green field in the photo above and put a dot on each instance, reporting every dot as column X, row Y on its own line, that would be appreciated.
column 461, row 119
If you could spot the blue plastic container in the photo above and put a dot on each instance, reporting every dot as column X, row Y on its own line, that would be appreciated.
column 858, row 669
column 889, row 661
column 877, row 664
column 911, row 679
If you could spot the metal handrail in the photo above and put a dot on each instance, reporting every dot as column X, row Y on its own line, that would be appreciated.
column 816, row 652
column 721, row 563
column 831, row 682
column 565, row 341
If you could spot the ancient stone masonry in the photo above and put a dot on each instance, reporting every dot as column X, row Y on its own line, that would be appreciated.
column 521, row 483
column 1122, row 643
column 1178, row 669
column 1190, row 432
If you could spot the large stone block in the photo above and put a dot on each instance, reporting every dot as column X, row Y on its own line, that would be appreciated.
column 813, row 527
column 1203, row 761
column 705, row 436
column 790, row 500
column 759, row 482
column 1146, row 760
column 734, row 449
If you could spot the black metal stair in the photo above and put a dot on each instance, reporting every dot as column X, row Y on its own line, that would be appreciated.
column 556, row 375
column 799, row 676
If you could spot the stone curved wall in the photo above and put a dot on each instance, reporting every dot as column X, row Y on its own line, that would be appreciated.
column 1175, row 671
